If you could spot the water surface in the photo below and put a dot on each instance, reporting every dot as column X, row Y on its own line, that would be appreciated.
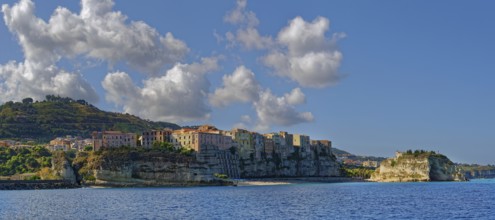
column 441, row 200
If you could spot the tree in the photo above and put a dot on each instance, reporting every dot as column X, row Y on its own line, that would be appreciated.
column 27, row 101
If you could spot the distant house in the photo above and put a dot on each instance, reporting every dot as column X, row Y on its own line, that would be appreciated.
column 371, row 163
column 113, row 139
column 69, row 143
column 149, row 137
column 197, row 139
column 7, row 143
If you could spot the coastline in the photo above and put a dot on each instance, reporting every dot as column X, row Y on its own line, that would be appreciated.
column 294, row 180
column 36, row 184
column 61, row 184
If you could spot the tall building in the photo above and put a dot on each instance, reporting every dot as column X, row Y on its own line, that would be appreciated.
column 152, row 136
column 302, row 142
column 113, row 139
column 197, row 139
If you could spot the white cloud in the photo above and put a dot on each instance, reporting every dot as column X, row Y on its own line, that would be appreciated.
column 241, row 86
column 97, row 33
column 251, row 39
column 177, row 96
column 307, row 56
column 247, row 35
column 21, row 80
column 273, row 110
column 240, row 16
column 301, row 52
column 245, row 122
column 295, row 97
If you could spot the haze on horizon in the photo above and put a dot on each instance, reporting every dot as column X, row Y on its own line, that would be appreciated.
column 373, row 77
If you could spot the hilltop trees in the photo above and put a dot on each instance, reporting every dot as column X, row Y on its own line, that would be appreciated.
column 27, row 100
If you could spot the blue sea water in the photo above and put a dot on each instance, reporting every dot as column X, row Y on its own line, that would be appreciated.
column 439, row 200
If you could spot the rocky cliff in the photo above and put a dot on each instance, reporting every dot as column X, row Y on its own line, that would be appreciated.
column 314, row 163
column 141, row 167
column 478, row 171
column 412, row 167
column 62, row 169
column 146, row 168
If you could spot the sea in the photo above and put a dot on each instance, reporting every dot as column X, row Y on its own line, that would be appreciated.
column 357, row 200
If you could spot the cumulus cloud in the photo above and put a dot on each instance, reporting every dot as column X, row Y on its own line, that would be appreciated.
column 301, row 52
column 241, row 16
column 306, row 55
column 273, row 110
column 245, row 122
column 241, row 86
column 177, row 96
column 96, row 32
column 295, row 97
column 247, row 35
column 20, row 80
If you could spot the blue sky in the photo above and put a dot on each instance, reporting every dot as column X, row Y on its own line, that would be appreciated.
column 394, row 75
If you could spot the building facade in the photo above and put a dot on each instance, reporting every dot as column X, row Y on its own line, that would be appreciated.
column 149, row 137
column 113, row 139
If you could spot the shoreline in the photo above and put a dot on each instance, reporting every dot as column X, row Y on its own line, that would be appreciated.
column 36, row 184
column 294, row 180
column 61, row 184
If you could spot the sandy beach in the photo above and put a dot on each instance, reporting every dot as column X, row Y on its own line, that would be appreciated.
column 285, row 181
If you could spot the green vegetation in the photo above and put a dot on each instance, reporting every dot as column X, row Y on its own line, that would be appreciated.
column 422, row 154
column 393, row 163
column 168, row 147
column 23, row 160
column 357, row 172
column 163, row 146
column 475, row 167
column 220, row 176
column 341, row 153
column 58, row 116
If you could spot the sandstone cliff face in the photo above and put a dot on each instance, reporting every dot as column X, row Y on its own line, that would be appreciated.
column 413, row 168
column 155, row 168
column 62, row 169
column 474, row 174
column 152, row 169
column 296, row 164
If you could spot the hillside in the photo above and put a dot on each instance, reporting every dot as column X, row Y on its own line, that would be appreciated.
column 341, row 153
column 58, row 116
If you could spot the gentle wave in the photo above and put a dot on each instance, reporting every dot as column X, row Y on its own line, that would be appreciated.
column 439, row 200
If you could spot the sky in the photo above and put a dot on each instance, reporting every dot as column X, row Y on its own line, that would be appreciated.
column 372, row 76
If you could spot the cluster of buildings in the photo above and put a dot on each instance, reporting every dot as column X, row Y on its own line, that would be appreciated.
column 69, row 143
column 247, row 143
column 60, row 143
column 8, row 143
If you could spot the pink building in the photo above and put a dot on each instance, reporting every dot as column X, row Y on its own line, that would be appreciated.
column 113, row 139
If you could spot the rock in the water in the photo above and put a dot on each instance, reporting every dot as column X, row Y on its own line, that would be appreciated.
column 416, row 167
